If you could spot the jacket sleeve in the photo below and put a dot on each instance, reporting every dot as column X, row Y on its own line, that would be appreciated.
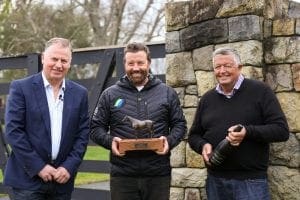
column 195, row 138
column 176, row 120
column 15, row 131
column 99, row 125
column 274, row 127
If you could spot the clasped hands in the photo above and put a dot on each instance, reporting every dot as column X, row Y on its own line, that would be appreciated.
column 49, row 173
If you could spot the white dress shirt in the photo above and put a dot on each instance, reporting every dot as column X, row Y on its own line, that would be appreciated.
column 55, row 106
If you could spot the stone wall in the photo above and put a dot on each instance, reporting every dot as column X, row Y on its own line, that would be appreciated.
column 267, row 35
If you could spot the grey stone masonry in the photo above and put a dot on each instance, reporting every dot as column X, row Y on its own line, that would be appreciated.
column 279, row 77
column 266, row 33
column 203, row 10
column 246, row 27
column 172, row 42
column 241, row 7
column 204, row 33
column 282, row 50
column 177, row 15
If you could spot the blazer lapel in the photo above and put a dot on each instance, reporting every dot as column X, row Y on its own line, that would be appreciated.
column 67, row 110
column 40, row 94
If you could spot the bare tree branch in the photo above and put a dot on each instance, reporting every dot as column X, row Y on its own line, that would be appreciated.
column 138, row 21
column 159, row 16
column 93, row 9
column 117, row 14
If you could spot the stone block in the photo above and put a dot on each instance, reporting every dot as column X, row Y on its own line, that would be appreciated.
column 189, row 114
column 251, row 52
column 192, row 194
column 290, row 105
column 203, row 10
column 282, row 50
column 191, row 89
column 202, row 58
column 180, row 70
column 284, row 183
column 296, row 76
column 253, row 72
column 203, row 194
column 286, row 153
column 193, row 159
column 297, row 136
column 241, row 7
column 298, row 26
column 267, row 28
column 172, row 42
column 190, row 101
column 187, row 177
column 205, row 33
column 177, row 15
column 276, row 9
column 294, row 8
column 205, row 81
column 176, row 193
column 279, row 77
column 283, row 27
column 180, row 93
column 178, row 155
column 247, row 27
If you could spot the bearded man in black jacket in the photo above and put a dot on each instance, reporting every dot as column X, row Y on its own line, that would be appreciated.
column 142, row 174
column 237, row 100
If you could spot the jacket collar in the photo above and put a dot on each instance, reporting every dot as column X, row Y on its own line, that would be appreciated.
column 126, row 83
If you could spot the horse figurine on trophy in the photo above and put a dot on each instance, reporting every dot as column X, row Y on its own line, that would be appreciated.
column 140, row 125
column 153, row 144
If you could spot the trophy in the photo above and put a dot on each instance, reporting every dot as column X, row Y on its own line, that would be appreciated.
column 136, row 144
column 223, row 149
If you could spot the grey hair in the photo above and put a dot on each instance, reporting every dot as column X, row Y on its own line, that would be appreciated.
column 62, row 41
column 228, row 51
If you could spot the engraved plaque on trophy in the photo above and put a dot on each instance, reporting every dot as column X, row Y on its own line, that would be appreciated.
column 136, row 144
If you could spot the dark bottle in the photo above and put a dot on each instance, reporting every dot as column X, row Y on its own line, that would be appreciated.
column 223, row 149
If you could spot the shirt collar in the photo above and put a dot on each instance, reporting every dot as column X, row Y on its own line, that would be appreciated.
column 47, row 84
column 237, row 86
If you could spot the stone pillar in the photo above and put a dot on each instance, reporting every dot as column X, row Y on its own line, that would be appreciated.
column 266, row 33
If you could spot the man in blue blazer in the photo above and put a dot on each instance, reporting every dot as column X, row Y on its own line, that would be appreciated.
column 47, row 127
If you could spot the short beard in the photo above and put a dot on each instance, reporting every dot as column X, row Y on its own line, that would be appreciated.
column 140, row 81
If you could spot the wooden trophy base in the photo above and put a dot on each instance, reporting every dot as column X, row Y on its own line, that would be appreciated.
column 153, row 144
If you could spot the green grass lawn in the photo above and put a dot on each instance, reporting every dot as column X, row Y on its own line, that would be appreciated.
column 93, row 153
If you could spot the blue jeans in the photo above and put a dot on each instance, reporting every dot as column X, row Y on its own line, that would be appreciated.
column 233, row 189
column 140, row 188
column 46, row 192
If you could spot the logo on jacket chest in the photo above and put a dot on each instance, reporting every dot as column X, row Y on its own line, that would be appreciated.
column 119, row 103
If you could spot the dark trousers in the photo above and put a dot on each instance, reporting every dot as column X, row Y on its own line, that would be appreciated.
column 46, row 192
column 233, row 189
column 140, row 188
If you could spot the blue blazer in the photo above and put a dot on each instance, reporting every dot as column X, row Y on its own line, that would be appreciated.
column 28, row 132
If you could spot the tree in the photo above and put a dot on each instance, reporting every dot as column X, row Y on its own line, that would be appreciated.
column 28, row 24
column 119, row 21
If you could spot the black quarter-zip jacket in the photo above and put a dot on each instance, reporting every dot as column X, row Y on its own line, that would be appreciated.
column 157, row 102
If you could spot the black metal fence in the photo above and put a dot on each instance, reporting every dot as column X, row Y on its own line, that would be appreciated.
column 110, row 69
